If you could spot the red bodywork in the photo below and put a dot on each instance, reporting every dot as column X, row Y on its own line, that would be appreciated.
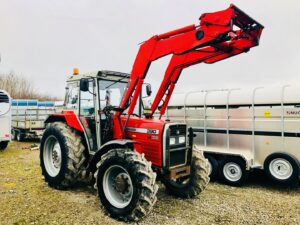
column 218, row 36
column 70, row 117
column 150, row 143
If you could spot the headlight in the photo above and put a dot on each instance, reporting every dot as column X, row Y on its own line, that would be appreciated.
column 172, row 141
column 181, row 139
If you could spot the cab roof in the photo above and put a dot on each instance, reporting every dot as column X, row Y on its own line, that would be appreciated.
column 104, row 74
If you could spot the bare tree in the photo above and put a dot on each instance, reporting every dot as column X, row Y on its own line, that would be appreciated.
column 21, row 88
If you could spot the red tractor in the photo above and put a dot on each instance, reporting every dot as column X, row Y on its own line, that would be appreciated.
column 100, row 133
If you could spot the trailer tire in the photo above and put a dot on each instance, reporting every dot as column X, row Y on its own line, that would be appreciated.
column 20, row 136
column 14, row 134
column 197, row 181
column 126, row 184
column 213, row 167
column 62, row 156
column 233, row 171
column 3, row 145
column 282, row 168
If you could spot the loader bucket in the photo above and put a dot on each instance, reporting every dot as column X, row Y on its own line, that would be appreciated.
column 238, row 24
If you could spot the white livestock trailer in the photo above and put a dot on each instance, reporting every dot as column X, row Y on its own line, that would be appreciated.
column 5, row 119
column 243, row 130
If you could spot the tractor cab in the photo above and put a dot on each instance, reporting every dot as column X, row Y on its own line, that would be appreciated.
column 88, row 95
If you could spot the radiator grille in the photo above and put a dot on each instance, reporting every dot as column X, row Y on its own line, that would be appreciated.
column 177, row 152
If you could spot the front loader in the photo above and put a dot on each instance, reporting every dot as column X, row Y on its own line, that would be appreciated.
column 100, row 135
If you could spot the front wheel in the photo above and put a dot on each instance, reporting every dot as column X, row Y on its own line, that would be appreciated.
column 194, row 184
column 126, row 184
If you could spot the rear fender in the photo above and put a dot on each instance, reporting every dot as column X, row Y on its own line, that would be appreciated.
column 68, row 117
column 123, row 143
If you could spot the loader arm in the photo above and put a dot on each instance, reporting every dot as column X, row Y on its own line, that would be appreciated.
column 209, row 54
column 219, row 35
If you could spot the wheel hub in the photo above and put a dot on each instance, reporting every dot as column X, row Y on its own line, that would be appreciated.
column 52, row 156
column 281, row 169
column 232, row 171
column 117, row 186
column 121, row 183
column 56, row 156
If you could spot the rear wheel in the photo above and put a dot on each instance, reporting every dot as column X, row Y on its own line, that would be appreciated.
column 61, row 155
column 194, row 184
column 126, row 184
column 282, row 168
column 3, row 145
column 233, row 171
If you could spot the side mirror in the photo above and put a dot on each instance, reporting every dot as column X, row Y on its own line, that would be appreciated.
column 148, row 90
column 84, row 85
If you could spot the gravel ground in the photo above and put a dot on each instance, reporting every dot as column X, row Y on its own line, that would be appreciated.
column 26, row 199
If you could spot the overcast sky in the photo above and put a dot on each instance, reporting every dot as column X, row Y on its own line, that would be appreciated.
column 44, row 39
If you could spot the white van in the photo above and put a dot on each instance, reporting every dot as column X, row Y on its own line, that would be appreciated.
column 5, row 119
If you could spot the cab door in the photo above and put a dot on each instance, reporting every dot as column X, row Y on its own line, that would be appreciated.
column 87, row 114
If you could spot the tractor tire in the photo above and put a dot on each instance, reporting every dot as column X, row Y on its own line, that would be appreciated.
column 195, row 183
column 3, row 145
column 126, row 184
column 62, row 156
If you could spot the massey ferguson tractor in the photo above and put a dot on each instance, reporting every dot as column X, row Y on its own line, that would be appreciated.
column 106, row 130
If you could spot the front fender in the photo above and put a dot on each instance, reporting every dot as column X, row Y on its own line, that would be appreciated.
column 122, row 143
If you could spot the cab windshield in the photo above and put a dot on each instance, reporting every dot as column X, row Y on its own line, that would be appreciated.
column 111, row 92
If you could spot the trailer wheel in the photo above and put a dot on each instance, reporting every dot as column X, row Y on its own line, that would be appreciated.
column 20, row 136
column 282, row 168
column 194, row 184
column 14, row 134
column 3, row 145
column 213, row 167
column 61, row 155
column 233, row 171
column 126, row 184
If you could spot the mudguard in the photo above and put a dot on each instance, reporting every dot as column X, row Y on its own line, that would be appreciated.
column 105, row 148
column 66, row 116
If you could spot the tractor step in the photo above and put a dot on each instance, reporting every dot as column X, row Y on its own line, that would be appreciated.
column 180, row 172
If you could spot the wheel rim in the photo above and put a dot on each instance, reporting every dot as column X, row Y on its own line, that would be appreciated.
column 117, row 186
column 52, row 156
column 281, row 169
column 232, row 171
column 210, row 169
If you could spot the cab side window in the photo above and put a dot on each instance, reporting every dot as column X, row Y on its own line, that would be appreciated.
column 87, row 104
column 72, row 96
